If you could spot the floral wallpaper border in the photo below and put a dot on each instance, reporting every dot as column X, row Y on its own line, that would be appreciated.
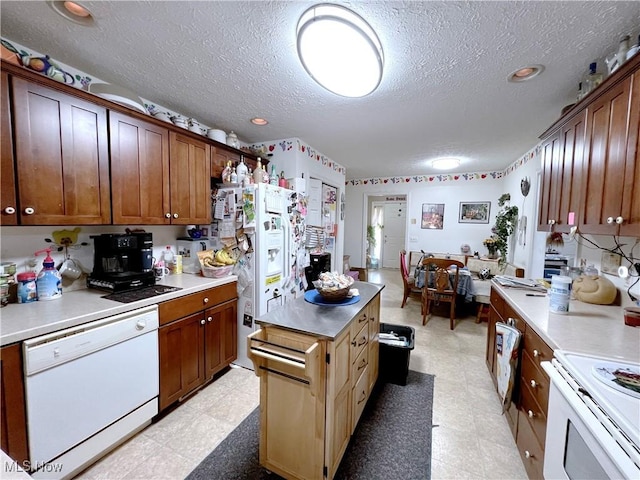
column 448, row 177
column 287, row 145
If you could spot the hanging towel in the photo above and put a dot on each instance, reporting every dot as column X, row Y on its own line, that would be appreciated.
column 507, row 355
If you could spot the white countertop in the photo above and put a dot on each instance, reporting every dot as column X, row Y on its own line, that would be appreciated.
column 587, row 328
column 22, row 321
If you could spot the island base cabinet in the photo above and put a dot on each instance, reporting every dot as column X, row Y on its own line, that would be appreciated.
column 292, row 401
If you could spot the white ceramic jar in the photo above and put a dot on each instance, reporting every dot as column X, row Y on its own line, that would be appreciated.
column 232, row 140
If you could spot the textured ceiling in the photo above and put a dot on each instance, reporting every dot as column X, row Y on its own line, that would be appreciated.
column 444, row 89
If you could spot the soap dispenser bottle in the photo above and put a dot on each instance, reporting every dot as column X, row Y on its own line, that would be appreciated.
column 49, row 281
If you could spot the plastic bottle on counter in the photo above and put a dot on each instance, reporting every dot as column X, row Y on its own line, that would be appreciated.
column 168, row 257
column 27, row 291
column 49, row 281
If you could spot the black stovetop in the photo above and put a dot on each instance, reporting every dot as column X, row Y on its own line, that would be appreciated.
column 129, row 296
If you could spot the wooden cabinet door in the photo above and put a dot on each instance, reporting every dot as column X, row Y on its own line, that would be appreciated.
column 568, row 173
column 13, row 424
column 605, row 160
column 548, row 212
column 139, row 171
column 221, row 338
column 190, row 180
column 62, row 157
column 9, row 203
column 631, row 192
column 182, row 368
column 490, row 356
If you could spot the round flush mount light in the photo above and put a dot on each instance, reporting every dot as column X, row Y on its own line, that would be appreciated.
column 525, row 73
column 259, row 121
column 73, row 11
column 446, row 163
column 340, row 50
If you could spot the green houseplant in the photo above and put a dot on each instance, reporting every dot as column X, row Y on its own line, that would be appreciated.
column 506, row 221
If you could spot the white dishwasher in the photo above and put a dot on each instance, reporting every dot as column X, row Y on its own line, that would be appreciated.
column 88, row 388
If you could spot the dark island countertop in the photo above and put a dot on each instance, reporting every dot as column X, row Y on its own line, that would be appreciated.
column 322, row 321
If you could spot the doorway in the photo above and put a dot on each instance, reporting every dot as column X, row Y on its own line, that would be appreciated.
column 388, row 221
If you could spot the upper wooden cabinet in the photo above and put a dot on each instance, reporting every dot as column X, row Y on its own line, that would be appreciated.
column 610, row 188
column 157, row 177
column 139, row 171
column 590, row 161
column 9, row 205
column 562, row 160
column 190, row 180
column 62, row 160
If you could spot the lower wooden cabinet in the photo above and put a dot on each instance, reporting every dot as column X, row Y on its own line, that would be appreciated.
column 527, row 415
column 312, row 393
column 13, row 425
column 195, row 342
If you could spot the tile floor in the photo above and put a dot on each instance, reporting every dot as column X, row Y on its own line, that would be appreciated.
column 471, row 439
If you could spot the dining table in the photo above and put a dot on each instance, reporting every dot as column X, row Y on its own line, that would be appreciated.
column 465, row 288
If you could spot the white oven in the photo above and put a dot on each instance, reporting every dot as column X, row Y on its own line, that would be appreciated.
column 593, row 419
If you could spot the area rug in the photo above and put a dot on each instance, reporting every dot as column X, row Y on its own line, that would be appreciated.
column 392, row 440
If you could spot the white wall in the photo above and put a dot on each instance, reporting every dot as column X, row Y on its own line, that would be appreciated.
column 473, row 188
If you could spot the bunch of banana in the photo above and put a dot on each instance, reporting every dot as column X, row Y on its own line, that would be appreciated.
column 223, row 257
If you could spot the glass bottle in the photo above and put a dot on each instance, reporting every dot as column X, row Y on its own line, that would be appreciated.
column 226, row 173
column 623, row 48
column 234, row 176
column 594, row 78
column 273, row 178
column 580, row 92
column 241, row 170
column 282, row 182
column 257, row 173
column 265, row 174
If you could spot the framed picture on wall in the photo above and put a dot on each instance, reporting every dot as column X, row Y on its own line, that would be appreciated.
column 432, row 215
column 474, row 212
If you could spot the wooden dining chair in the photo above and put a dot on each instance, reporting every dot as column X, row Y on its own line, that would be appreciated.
column 408, row 281
column 442, row 286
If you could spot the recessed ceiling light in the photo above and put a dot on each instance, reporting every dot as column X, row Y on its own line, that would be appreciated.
column 73, row 11
column 525, row 73
column 340, row 50
column 259, row 121
column 445, row 163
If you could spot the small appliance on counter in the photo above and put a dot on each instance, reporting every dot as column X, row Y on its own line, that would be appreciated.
column 319, row 262
column 189, row 247
column 121, row 261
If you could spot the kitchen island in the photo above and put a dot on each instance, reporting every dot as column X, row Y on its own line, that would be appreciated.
column 317, row 366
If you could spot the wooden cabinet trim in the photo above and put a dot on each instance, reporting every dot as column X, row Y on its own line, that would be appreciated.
column 13, row 419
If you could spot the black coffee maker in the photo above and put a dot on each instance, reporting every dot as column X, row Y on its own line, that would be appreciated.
column 122, row 261
column 319, row 262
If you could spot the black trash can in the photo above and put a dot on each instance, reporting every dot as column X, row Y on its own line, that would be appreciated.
column 396, row 343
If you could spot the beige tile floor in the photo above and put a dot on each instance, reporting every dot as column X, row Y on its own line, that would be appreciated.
column 471, row 439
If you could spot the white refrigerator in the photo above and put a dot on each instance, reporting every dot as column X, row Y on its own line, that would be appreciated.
column 266, row 225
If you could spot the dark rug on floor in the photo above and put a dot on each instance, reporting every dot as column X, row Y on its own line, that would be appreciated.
column 392, row 440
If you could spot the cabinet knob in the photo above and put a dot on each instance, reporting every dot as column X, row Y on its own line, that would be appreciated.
column 619, row 220
column 552, row 222
column 205, row 300
column 531, row 414
column 533, row 384
column 528, row 454
column 536, row 353
column 209, row 319
column 29, row 211
column 9, row 210
column 353, row 343
column 175, row 215
column 609, row 220
column 167, row 215
column 202, row 322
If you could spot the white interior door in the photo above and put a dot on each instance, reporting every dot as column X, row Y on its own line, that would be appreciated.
column 393, row 233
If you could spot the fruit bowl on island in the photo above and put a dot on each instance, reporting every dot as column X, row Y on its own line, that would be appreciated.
column 333, row 286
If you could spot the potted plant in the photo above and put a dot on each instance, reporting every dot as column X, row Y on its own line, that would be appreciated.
column 506, row 220
column 371, row 242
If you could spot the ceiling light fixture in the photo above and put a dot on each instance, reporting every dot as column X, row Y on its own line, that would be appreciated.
column 259, row 121
column 73, row 11
column 525, row 73
column 340, row 50
column 446, row 163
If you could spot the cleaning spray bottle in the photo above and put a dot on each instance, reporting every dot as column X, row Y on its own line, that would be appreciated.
column 49, row 281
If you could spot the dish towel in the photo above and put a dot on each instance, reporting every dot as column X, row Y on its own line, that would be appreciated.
column 507, row 355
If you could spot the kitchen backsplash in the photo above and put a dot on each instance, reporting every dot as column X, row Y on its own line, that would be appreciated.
column 20, row 243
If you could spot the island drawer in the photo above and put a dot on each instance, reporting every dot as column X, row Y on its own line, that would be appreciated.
column 360, row 396
column 359, row 337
